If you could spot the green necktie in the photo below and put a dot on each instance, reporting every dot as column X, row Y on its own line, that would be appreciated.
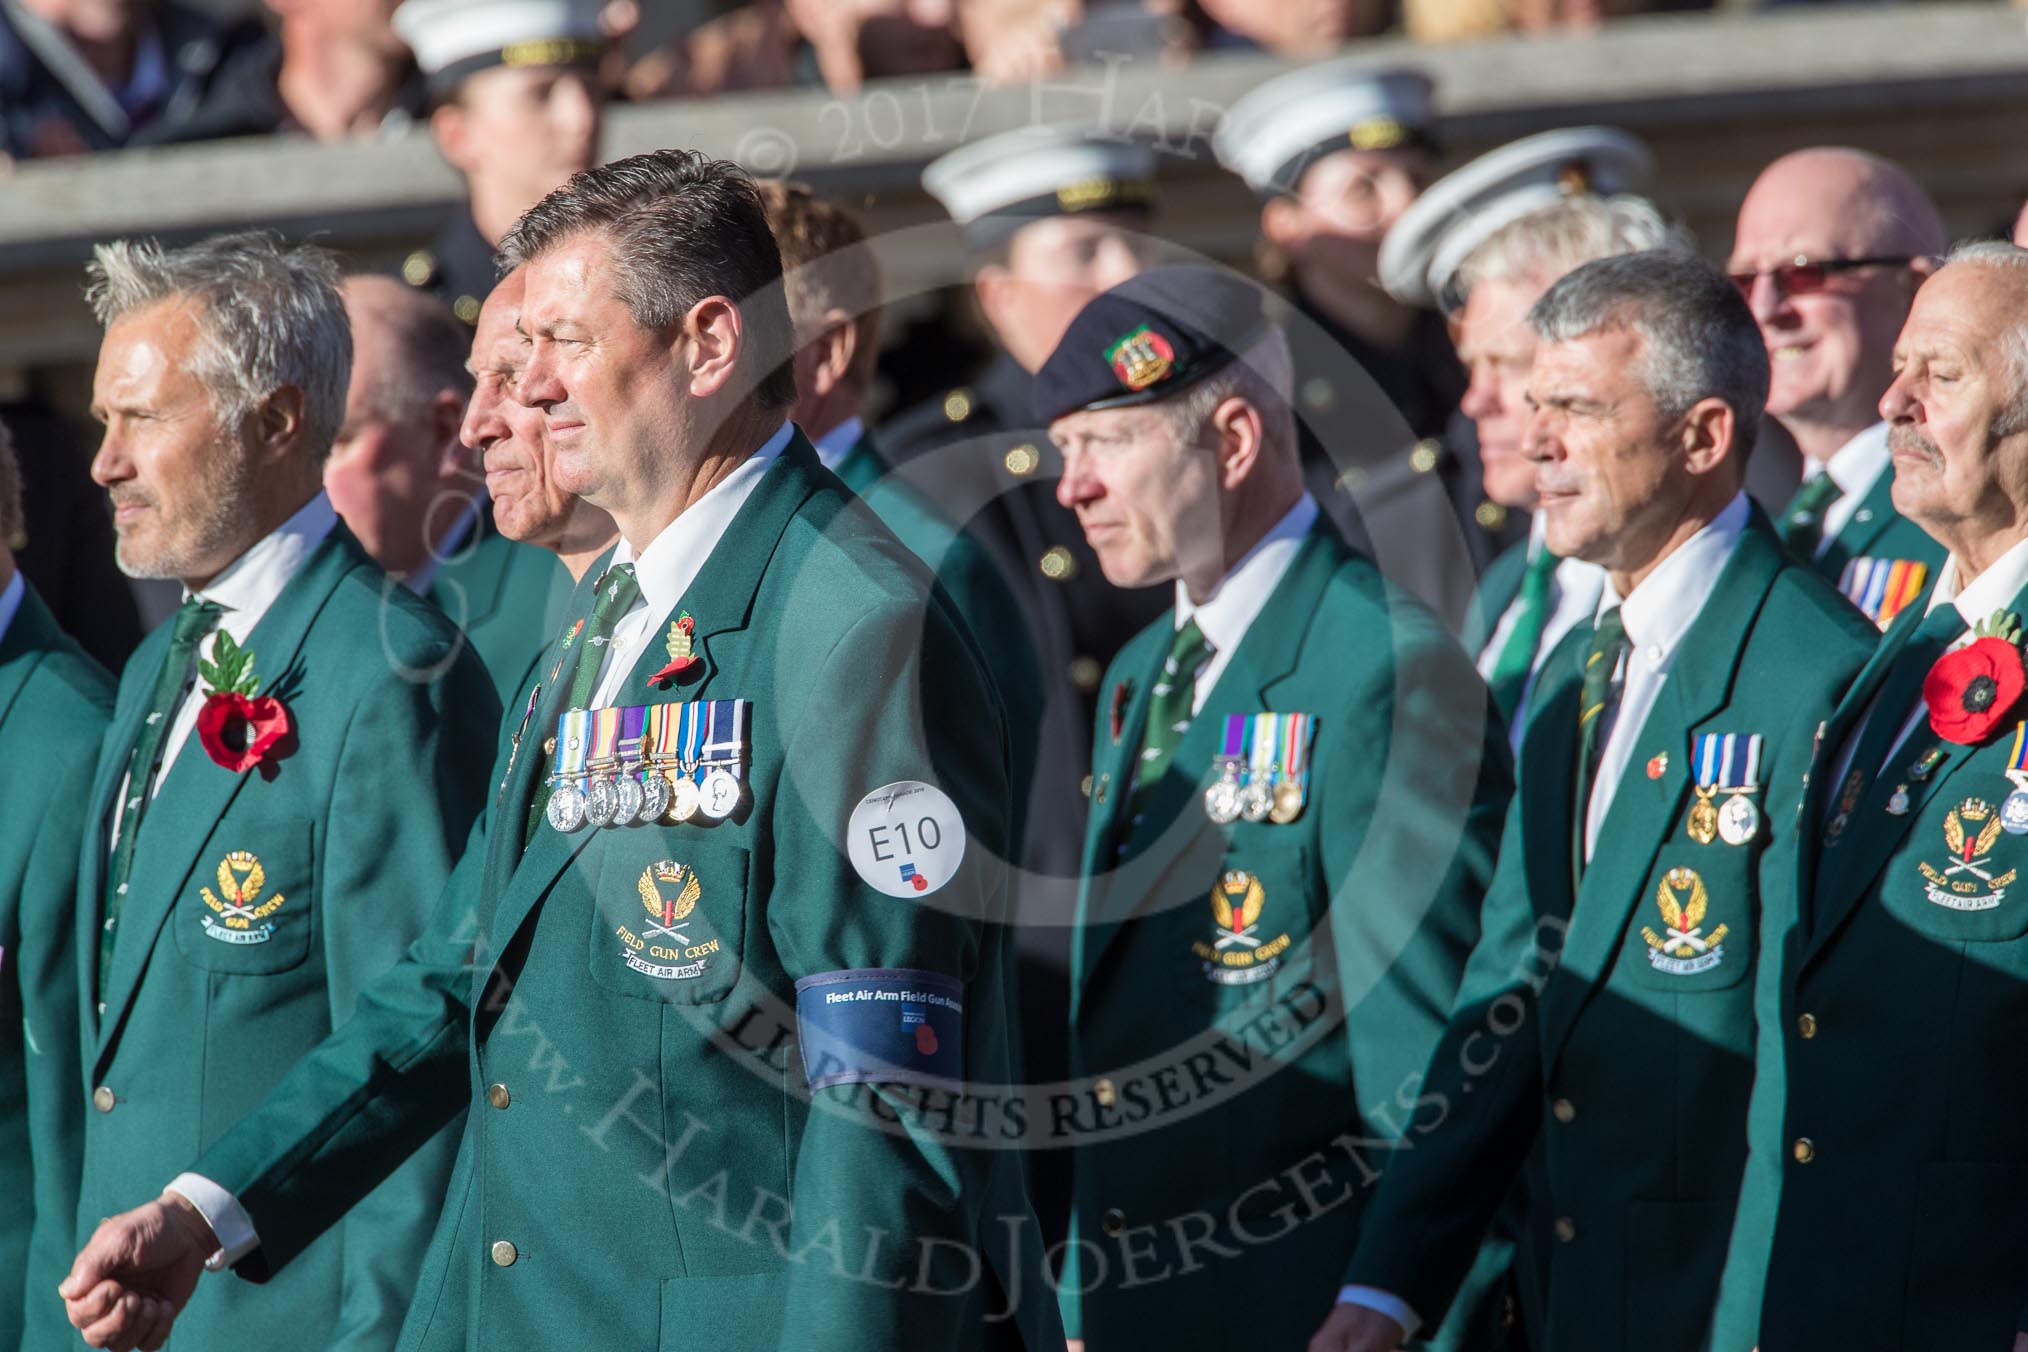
column 618, row 589
column 1601, row 693
column 1531, row 617
column 1169, row 705
column 1803, row 523
column 193, row 621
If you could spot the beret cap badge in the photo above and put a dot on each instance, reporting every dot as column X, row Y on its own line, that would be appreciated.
column 1141, row 358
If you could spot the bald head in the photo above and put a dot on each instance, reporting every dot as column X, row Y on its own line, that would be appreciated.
column 1830, row 335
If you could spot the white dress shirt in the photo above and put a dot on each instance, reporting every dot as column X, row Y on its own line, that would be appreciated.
column 1855, row 467
column 837, row 443
column 1229, row 611
column 1657, row 615
column 1992, row 590
column 245, row 590
column 1573, row 597
column 10, row 600
column 665, row 569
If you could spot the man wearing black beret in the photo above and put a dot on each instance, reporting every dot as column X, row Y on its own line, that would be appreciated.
column 1297, row 792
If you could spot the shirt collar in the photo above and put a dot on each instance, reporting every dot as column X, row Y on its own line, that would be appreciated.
column 1225, row 615
column 1992, row 590
column 1667, row 601
column 672, row 560
column 10, row 600
column 837, row 443
column 1857, row 464
column 250, row 584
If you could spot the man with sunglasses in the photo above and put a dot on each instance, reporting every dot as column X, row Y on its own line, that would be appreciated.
column 1830, row 248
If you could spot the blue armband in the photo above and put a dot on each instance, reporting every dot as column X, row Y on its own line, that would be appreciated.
column 882, row 1025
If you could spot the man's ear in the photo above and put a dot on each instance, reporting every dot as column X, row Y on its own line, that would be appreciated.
column 1284, row 224
column 716, row 338
column 1710, row 437
column 993, row 284
column 278, row 423
column 452, row 129
column 1237, row 425
column 836, row 347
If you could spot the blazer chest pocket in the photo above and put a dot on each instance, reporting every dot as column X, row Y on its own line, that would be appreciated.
column 669, row 917
column 1254, row 920
column 1961, row 877
column 1693, row 928
column 247, row 906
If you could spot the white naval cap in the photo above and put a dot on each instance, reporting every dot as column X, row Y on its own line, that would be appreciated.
column 995, row 186
column 453, row 38
column 1273, row 133
column 1462, row 210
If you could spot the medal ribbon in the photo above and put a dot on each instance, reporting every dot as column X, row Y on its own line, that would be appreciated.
column 572, row 746
column 2017, row 756
column 1264, row 746
column 605, row 737
column 1296, row 730
column 633, row 722
column 1232, row 743
column 725, row 736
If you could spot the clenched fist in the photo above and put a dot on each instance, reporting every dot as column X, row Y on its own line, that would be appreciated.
column 137, row 1272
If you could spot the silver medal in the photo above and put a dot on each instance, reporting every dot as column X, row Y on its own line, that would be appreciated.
column 1897, row 802
column 566, row 808
column 1256, row 802
column 2014, row 813
column 1738, row 820
column 1221, row 801
column 683, row 798
column 654, row 798
column 601, row 802
column 629, row 789
column 719, row 795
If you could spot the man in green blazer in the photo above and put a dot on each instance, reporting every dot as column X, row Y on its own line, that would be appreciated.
column 1630, row 939
column 53, row 706
column 720, row 1064
column 1297, row 790
column 1894, row 1073
column 1830, row 247
column 281, row 795
column 405, row 483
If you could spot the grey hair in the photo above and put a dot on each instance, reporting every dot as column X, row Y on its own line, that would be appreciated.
column 268, row 317
column 1698, row 338
column 1262, row 374
column 1549, row 241
column 1998, row 253
column 426, row 346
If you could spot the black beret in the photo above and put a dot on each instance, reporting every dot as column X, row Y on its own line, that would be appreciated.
column 1151, row 337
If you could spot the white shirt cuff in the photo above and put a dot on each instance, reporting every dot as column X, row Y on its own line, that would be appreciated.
column 223, row 1213
column 1393, row 1307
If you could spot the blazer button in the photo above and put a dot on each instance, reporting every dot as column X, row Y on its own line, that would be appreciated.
column 1563, row 1110
column 497, row 1095
column 1113, row 1222
column 1806, row 1026
column 1105, row 1092
column 1058, row 564
column 504, row 1253
column 1566, row 1229
column 1022, row 460
column 102, row 1099
column 1806, row 1150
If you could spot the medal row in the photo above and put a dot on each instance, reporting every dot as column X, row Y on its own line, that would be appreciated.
column 642, row 764
column 1263, row 768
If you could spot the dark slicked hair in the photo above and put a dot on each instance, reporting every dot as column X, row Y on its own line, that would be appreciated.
column 681, row 227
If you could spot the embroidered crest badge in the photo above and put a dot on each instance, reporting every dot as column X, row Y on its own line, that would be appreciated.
column 1239, row 956
column 664, row 950
column 1683, row 949
column 1965, row 882
column 239, row 915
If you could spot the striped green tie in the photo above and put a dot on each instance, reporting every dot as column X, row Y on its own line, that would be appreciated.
column 1803, row 522
column 1601, row 693
column 1531, row 618
column 1169, row 710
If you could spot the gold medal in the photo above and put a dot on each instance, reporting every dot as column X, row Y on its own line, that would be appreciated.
column 1703, row 822
column 1288, row 803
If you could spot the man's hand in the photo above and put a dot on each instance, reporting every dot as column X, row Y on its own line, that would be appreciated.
column 1355, row 1328
column 136, row 1274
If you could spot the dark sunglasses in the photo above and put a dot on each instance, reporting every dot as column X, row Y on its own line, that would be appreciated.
column 1804, row 275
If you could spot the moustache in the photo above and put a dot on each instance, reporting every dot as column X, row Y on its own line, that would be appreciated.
column 128, row 496
column 1905, row 439
column 1556, row 483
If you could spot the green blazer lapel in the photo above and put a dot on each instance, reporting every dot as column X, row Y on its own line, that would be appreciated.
column 1113, row 757
column 1868, row 522
column 721, row 600
column 480, row 570
column 195, row 794
column 1498, row 587
column 1266, row 654
column 29, row 635
column 1644, row 812
column 113, row 754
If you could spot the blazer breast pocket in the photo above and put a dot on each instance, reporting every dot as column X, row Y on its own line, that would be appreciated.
column 1959, row 877
column 1693, row 926
column 247, row 908
column 669, row 919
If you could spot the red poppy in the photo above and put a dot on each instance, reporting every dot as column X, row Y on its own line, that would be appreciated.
column 1970, row 692
column 238, row 732
column 675, row 669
